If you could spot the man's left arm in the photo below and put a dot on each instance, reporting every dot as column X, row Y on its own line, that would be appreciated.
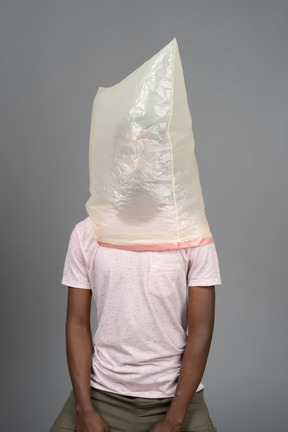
column 201, row 308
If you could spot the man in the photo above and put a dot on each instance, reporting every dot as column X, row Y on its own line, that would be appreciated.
column 142, row 371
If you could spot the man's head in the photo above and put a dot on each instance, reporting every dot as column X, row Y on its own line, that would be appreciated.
column 144, row 183
column 136, row 168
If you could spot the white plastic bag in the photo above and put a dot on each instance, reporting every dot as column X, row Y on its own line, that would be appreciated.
column 144, row 183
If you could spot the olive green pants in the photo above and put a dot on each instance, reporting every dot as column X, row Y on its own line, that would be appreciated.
column 133, row 414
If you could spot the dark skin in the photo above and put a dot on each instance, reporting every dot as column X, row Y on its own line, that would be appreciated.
column 201, row 306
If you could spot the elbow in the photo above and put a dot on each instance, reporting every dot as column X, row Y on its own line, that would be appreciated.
column 76, row 326
column 200, row 339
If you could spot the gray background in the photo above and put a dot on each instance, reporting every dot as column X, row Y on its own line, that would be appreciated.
column 54, row 55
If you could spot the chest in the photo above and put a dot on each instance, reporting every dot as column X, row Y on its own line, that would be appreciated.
column 132, row 277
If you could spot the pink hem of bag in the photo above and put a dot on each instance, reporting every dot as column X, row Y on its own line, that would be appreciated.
column 162, row 246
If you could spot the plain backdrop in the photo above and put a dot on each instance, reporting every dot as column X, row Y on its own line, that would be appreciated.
column 54, row 56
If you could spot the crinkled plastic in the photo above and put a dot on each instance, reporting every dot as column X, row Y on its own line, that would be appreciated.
column 144, row 182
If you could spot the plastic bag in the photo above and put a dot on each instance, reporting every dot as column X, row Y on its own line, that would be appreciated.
column 144, row 182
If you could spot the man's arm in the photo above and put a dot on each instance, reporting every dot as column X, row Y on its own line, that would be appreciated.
column 79, row 359
column 201, row 307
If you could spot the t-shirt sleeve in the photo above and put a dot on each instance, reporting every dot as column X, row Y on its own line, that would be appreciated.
column 75, row 272
column 204, row 266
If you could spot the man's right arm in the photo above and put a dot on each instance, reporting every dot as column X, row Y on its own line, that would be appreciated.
column 79, row 359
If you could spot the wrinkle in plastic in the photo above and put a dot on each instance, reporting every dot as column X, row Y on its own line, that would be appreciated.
column 144, row 181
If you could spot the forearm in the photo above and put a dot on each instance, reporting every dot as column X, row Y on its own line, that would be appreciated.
column 79, row 358
column 201, row 308
column 192, row 369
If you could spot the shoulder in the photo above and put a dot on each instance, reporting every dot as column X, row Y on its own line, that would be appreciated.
column 195, row 252
column 204, row 266
column 84, row 227
column 83, row 234
column 207, row 249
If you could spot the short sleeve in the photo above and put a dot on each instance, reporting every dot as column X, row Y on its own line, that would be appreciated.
column 75, row 272
column 204, row 266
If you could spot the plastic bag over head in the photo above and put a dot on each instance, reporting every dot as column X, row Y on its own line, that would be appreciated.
column 144, row 182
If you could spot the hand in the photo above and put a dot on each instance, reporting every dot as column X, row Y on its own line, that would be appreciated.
column 91, row 422
column 165, row 426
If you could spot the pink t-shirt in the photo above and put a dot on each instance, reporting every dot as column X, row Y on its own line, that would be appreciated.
column 141, row 302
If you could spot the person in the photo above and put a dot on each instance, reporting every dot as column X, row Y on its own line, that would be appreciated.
column 137, row 358
column 155, row 303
